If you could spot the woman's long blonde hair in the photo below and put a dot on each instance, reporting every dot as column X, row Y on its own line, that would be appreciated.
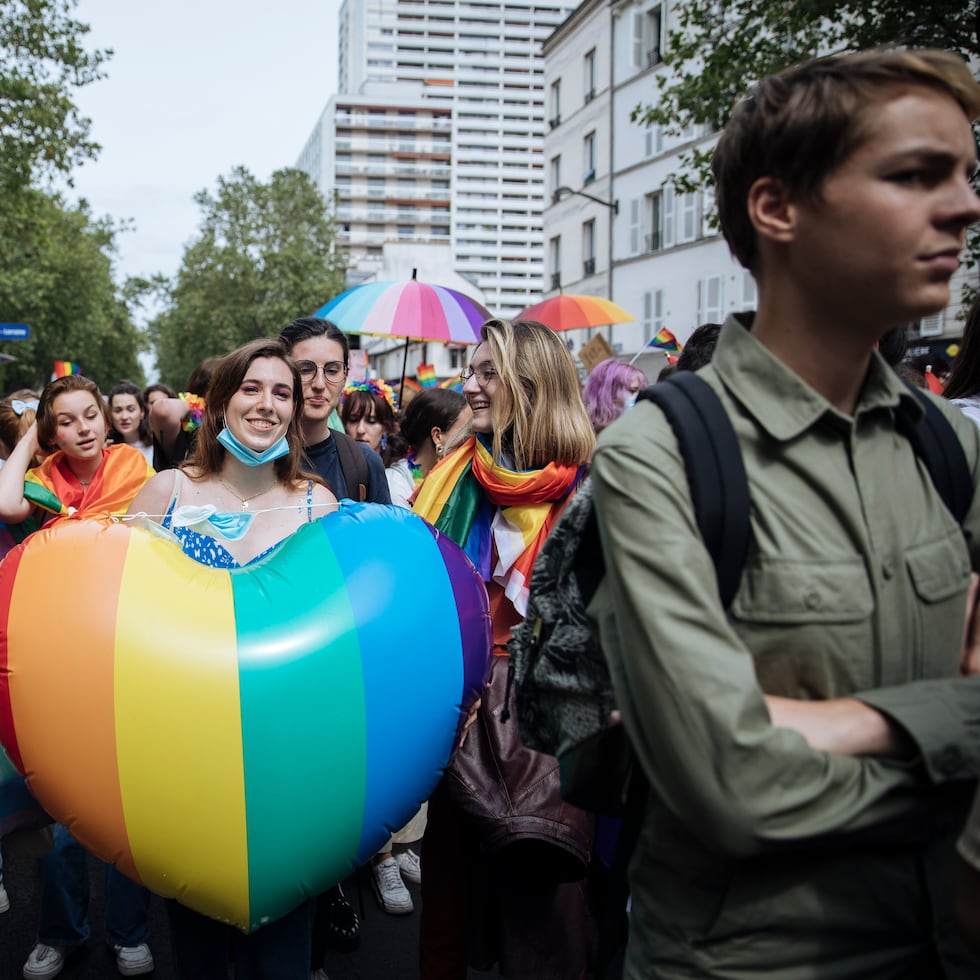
column 538, row 413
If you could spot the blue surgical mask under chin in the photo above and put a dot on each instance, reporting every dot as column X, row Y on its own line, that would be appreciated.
column 629, row 403
column 248, row 456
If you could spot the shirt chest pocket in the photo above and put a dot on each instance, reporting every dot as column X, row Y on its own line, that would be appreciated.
column 785, row 591
column 939, row 570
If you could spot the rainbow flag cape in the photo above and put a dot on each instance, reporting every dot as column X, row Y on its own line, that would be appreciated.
column 63, row 368
column 53, row 486
column 665, row 340
column 426, row 374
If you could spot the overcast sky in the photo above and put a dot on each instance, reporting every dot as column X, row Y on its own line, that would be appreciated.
column 194, row 88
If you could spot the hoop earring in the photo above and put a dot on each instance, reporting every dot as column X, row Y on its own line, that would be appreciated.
column 440, row 450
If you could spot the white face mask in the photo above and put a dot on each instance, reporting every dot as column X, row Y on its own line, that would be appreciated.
column 630, row 402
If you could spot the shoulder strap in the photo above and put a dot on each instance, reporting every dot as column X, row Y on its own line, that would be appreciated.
column 353, row 464
column 935, row 442
column 715, row 472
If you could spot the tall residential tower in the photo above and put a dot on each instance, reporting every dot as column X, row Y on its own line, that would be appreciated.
column 437, row 136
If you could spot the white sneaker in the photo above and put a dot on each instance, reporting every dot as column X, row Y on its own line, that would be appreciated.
column 410, row 866
column 392, row 894
column 44, row 962
column 133, row 961
column 4, row 899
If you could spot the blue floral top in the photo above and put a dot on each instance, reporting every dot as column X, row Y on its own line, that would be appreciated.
column 207, row 550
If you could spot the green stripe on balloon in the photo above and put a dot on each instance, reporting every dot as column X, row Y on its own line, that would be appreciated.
column 304, row 716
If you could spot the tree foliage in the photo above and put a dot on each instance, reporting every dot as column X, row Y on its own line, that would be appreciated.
column 56, row 276
column 716, row 49
column 41, row 62
column 265, row 253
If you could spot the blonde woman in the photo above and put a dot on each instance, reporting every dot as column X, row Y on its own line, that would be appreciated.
column 498, row 495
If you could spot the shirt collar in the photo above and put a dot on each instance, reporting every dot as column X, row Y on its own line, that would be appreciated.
column 781, row 402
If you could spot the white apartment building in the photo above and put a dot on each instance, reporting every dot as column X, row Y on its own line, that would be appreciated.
column 652, row 250
column 436, row 136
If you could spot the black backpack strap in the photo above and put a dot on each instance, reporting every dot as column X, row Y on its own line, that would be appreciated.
column 715, row 472
column 935, row 442
column 353, row 464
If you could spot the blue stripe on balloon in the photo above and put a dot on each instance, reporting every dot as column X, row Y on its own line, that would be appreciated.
column 419, row 696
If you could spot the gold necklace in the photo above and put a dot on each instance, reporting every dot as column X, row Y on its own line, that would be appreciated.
column 245, row 500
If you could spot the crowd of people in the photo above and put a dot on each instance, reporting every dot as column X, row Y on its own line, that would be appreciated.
column 810, row 751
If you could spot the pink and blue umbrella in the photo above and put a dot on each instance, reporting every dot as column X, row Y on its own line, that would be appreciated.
column 410, row 310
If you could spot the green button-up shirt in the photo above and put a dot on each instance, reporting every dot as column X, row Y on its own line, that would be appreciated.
column 759, row 856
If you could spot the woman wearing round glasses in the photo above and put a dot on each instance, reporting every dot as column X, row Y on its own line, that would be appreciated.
column 497, row 496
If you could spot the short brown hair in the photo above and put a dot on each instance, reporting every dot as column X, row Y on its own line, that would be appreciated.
column 799, row 125
column 47, row 417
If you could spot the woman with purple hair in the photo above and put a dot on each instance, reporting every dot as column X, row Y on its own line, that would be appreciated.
column 611, row 389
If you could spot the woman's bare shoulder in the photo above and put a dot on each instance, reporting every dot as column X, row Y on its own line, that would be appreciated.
column 155, row 494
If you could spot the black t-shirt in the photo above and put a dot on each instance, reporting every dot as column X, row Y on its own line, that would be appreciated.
column 324, row 460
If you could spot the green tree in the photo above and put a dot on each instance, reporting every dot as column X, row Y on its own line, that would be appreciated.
column 717, row 49
column 265, row 253
column 41, row 62
column 56, row 276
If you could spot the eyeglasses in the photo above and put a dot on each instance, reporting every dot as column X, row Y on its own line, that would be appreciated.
column 333, row 371
column 484, row 375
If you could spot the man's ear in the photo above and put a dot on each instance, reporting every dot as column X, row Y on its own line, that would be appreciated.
column 771, row 211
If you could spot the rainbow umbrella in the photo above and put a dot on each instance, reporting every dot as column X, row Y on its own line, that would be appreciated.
column 412, row 310
column 569, row 311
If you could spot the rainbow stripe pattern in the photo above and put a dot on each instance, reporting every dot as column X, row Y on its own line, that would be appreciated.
column 411, row 309
column 570, row 311
column 228, row 737
column 665, row 340
column 63, row 368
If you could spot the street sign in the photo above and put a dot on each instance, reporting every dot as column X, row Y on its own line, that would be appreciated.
column 14, row 331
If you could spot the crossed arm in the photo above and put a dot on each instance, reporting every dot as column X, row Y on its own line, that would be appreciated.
column 848, row 726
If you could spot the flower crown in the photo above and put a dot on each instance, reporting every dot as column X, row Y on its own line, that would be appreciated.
column 375, row 387
column 196, row 405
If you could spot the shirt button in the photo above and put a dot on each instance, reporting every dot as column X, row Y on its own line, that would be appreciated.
column 888, row 568
column 811, row 599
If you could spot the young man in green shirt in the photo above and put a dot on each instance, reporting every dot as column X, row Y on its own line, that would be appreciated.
column 810, row 752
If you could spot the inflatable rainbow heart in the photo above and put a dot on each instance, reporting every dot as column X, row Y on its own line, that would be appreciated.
column 239, row 739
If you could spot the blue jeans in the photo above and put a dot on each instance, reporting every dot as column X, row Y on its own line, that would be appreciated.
column 65, row 898
column 277, row 951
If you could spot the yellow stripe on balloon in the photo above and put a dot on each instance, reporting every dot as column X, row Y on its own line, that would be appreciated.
column 180, row 757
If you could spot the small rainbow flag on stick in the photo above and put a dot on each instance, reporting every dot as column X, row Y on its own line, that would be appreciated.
column 665, row 340
column 63, row 368
column 426, row 375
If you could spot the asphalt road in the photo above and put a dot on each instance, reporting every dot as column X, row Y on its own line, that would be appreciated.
column 388, row 949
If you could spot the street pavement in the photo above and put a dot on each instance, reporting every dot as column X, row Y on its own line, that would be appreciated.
column 388, row 949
